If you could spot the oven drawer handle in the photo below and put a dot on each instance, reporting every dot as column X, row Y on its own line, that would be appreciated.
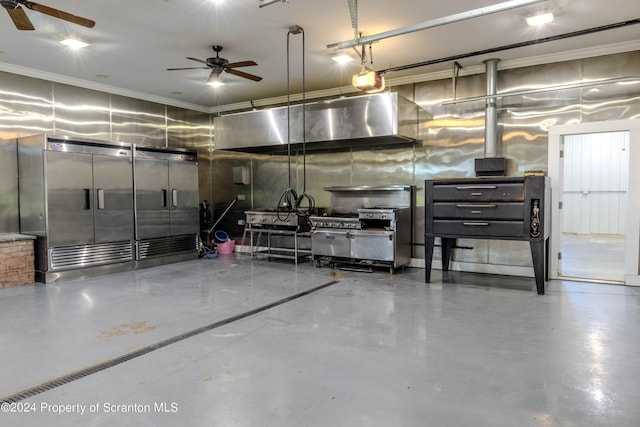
column 475, row 206
column 476, row 224
column 476, row 187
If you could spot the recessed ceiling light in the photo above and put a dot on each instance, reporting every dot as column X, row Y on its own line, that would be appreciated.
column 342, row 57
column 74, row 43
column 537, row 20
column 102, row 76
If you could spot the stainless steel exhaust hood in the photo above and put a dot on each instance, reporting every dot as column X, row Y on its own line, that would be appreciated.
column 361, row 121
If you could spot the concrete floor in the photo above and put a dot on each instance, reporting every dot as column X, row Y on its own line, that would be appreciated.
column 371, row 349
column 597, row 257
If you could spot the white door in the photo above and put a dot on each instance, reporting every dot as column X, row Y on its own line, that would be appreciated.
column 594, row 205
column 631, row 219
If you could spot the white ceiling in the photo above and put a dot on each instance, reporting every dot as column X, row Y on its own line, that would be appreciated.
column 134, row 41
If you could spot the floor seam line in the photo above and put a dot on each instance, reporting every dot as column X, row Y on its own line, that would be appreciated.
column 84, row 372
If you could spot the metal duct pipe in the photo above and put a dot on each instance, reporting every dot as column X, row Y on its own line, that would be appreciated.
column 491, row 111
column 511, row 4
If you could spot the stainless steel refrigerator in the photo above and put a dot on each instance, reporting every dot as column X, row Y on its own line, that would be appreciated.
column 166, row 202
column 76, row 196
column 9, row 213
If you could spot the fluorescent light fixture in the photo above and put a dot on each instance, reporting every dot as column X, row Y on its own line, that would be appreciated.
column 214, row 80
column 368, row 81
column 342, row 57
column 74, row 43
column 537, row 20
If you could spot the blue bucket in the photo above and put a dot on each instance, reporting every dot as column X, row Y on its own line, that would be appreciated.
column 220, row 236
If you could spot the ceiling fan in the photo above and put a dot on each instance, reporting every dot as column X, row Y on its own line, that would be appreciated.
column 218, row 65
column 22, row 22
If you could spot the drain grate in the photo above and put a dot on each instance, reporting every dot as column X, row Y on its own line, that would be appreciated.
column 66, row 379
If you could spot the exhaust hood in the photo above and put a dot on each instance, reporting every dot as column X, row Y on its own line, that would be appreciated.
column 360, row 121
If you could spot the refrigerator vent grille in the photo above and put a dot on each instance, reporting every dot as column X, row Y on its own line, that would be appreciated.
column 167, row 245
column 90, row 255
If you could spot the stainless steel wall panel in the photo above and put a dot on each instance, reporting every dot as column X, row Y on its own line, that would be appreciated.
column 189, row 129
column 270, row 180
column 26, row 107
column 81, row 113
column 33, row 209
column 611, row 66
column 539, row 76
column 325, row 171
column 382, row 167
column 225, row 190
column 9, row 210
column 138, row 122
column 193, row 130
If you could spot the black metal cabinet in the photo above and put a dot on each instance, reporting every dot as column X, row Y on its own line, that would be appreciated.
column 505, row 208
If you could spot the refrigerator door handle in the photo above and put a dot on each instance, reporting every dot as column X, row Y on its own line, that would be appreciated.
column 164, row 197
column 174, row 197
column 87, row 198
column 100, row 199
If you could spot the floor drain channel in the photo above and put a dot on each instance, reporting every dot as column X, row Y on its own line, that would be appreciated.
column 25, row 394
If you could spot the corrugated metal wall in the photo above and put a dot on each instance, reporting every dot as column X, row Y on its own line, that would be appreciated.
column 596, row 182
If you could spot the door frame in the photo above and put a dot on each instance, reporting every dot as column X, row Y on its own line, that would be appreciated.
column 632, row 225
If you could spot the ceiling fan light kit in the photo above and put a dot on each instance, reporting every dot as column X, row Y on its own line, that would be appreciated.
column 214, row 80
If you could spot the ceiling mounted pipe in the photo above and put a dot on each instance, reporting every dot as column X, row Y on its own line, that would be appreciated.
column 534, row 42
column 264, row 3
column 500, row 7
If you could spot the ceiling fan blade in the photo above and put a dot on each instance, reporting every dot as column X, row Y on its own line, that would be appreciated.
column 187, row 68
column 240, row 64
column 58, row 14
column 20, row 19
column 197, row 60
column 243, row 74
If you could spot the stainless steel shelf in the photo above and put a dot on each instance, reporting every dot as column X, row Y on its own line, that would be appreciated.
column 296, row 253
